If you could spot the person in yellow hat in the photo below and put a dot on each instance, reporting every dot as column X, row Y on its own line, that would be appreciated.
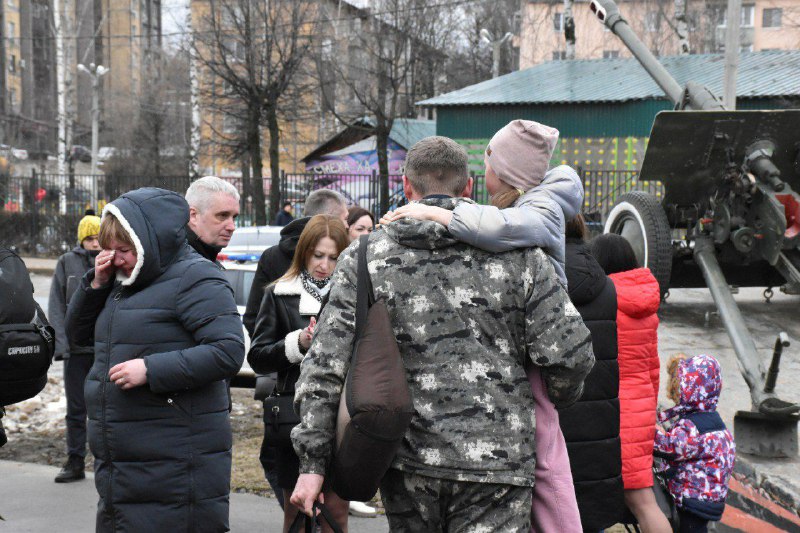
column 77, row 359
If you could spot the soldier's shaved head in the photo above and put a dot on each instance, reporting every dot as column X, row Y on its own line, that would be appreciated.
column 437, row 165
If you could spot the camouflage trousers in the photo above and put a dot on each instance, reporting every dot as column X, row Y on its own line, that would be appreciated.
column 417, row 503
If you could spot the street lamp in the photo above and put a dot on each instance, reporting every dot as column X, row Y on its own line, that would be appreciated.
column 497, row 46
column 96, row 72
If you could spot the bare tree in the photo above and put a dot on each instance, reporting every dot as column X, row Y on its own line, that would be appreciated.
column 569, row 29
column 682, row 27
column 194, row 102
column 151, row 133
column 498, row 18
column 388, row 58
column 252, row 55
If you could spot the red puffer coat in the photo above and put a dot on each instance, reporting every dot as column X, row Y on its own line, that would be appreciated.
column 637, row 336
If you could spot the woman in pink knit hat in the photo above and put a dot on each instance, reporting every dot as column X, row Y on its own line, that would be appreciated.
column 529, row 208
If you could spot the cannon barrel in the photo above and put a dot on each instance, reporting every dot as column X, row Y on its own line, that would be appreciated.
column 608, row 13
column 693, row 97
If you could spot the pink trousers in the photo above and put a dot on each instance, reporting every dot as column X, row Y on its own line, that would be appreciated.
column 555, row 508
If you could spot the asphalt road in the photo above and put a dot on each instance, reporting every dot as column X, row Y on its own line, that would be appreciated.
column 31, row 503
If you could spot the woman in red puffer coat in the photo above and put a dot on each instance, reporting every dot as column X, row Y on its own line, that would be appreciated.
column 638, row 298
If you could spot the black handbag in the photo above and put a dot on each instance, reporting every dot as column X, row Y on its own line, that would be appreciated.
column 307, row 523
column 279, row 419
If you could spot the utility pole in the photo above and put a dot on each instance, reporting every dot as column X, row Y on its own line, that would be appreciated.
column 497, row 47
column 95, row 72
column 733, row 17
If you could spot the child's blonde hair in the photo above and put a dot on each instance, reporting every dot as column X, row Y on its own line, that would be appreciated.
column 673, row 383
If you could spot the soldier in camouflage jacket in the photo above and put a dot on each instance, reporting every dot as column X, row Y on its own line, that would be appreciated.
column 466, row 321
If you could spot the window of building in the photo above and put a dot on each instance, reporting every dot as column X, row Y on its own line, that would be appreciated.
column 235, row 48
column 651, row 21
column 12, row 33
column 748, row 15
column 558, row 22
column 230, row 123
column 12, row 63
column 559, row 54
column 772, row 17
column 692, row 19
column 13, row 97
column 746, row 48
column 610, row 54
column 327, row 49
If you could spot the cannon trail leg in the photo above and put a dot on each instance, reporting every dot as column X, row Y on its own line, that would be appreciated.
column 743, row 344
column 770, row 429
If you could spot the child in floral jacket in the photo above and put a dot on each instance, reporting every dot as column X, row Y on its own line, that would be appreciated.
column 699, row 448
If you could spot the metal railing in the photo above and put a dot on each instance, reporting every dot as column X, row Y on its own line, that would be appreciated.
column 359, row 189
column 39, row 214
column 603, row 187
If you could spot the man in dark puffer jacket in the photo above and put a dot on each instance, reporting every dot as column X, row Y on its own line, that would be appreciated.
column 591, row 425
column 162, row 448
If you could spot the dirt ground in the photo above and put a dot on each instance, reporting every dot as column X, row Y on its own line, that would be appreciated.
column 36, row 435
column 43, row 442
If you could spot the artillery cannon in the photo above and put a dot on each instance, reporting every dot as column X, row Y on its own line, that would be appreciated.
column 730, row 215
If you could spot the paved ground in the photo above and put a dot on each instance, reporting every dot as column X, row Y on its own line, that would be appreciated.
column 685, row 328
column 30, row 502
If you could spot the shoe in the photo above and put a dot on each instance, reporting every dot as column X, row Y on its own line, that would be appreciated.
column 73, row 470
column 362, row 509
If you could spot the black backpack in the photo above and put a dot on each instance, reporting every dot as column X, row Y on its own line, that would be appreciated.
column 27, row 341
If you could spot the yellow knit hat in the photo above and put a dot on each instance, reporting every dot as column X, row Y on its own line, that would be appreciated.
column 88, row 226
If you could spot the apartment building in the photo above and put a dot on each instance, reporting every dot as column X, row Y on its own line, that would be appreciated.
column 123, row 35
column 27, row 70
column 765, row 25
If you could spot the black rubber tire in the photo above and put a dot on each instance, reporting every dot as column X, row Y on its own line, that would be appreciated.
column 646, row 211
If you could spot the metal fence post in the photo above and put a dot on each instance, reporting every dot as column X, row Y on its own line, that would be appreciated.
column 282, row 187
column 377, row 187
column 33, row 209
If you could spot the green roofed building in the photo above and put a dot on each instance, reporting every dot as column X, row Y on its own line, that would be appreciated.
column 604, row 108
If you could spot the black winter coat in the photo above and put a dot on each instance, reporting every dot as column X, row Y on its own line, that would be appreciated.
column 162, row 450
column 70, row 268
column 272, row 264
column 591, row 425
column 285, row 311
column 208, row 251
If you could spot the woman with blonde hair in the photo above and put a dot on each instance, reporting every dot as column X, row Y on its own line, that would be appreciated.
column 283, row 332
column 166, row 336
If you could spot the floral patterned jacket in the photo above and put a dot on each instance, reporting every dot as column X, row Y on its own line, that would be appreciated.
column 700, row 448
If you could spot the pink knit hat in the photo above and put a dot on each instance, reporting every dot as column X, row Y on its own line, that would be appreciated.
column 520, row 153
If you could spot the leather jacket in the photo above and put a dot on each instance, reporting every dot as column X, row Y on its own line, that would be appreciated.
column 285, row 311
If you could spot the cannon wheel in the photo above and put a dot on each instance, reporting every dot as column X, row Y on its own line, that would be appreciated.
column 639, row 217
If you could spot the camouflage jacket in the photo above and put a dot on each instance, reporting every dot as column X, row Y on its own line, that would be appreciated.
column 465, row 321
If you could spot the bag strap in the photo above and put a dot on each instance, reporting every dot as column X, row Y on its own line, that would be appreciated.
column 19, row 327
column 301, row 519
column 365, row 296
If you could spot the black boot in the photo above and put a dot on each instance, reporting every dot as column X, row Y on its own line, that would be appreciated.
column 72, row 471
